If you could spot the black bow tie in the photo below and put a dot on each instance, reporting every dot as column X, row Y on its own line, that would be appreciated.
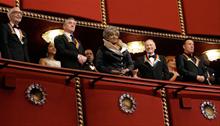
column 16, row 26
column 72, row 37
column 153, row 56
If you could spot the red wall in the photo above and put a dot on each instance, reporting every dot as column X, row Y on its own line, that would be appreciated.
column 10, row 3
column 201, row 17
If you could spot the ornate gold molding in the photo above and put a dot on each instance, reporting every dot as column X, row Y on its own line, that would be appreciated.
column 17, row 3
column 43, row 17
column 79, row 101
column 165, row 108
column 181, row 17
column 104, row 16
column 123, row 29
column 4, row 9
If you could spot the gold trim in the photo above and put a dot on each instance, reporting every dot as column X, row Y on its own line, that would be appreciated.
column 123, row 29
column 4, row 9
column 208, row 110
column 43, row 17
column 17, row 3
column 104, row 16
column 189, row 59
column 181, row 17
column 36, row 94
column 127, row 103
column 165, row 108
column 79, row 101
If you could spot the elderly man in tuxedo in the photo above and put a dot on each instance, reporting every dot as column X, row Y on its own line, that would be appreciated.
column 152, row 65
column 69, row 49
column 13, row 41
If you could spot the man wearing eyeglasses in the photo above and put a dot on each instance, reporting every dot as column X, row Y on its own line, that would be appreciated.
column 13, row 41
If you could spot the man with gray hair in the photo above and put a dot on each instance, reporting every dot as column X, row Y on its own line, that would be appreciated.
column 13, row 41
column 69, row 50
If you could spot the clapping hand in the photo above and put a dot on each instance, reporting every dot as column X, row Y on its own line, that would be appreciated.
column 82, row 59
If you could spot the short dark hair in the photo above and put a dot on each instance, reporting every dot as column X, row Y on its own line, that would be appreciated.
column 70, row 18
column 184, row 41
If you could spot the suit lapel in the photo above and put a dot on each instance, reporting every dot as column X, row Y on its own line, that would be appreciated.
column 146, row 59
column 15, row 35
column 190, row 60
column 69, row 42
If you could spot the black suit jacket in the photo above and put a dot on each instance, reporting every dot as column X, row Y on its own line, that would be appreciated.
column 89, row 66
column 158, row 71
column 67, row 52
column 188, row 69
column 10, row 45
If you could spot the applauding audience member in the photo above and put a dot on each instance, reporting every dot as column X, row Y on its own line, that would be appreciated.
column 171, row 64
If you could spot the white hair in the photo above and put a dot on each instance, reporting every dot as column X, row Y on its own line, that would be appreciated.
column 14, row 9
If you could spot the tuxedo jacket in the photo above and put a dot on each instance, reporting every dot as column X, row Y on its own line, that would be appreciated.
column 89, row 66
column 67, row 52
column 189, row 69
column 11, row 46
column 157, row 70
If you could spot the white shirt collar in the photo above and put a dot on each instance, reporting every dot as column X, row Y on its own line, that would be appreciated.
column 67, row 34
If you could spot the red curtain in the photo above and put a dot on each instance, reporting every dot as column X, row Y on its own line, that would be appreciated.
column 10, row 3
column 161, row 14
column 202, row 16
column 89, row 9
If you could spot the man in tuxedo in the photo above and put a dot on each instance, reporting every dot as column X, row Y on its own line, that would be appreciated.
column 89, row 64
column 13, row 42
column 69, row 49
column 152, row 65
column 188, row 65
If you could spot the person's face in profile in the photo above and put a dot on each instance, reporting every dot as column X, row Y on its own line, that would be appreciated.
column 188, row 47
column 69, row 25
column 16, row 16
column 89, row 55
column 51, row 49
column 150, row 46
